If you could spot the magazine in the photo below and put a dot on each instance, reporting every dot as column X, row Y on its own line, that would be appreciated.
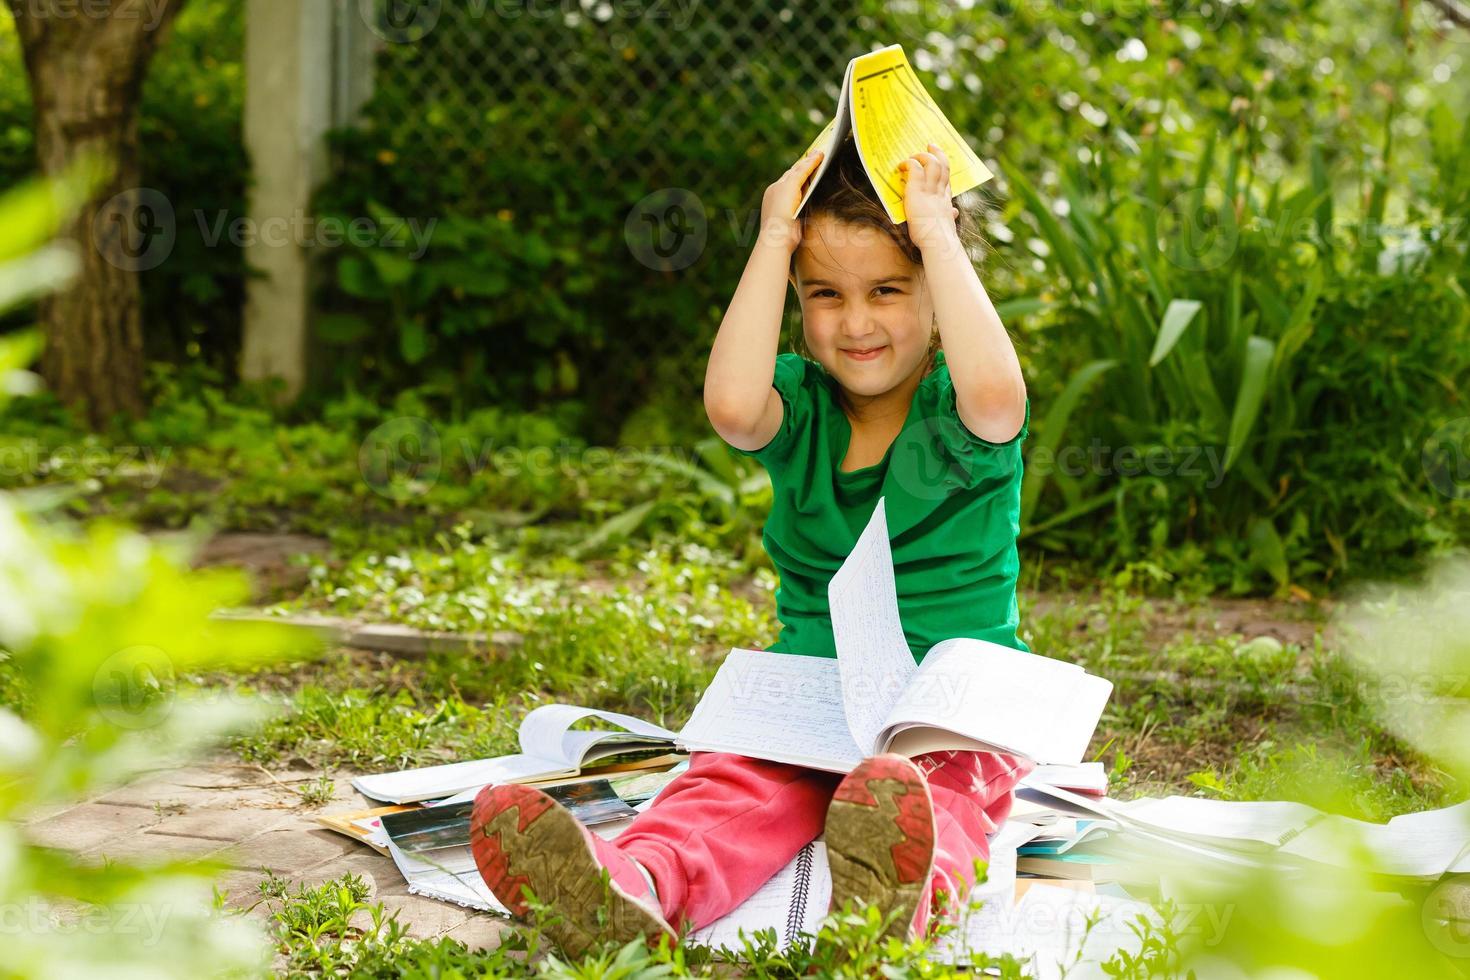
column 890, row 116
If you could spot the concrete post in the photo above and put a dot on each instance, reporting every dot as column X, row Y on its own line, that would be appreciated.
column 289, row 86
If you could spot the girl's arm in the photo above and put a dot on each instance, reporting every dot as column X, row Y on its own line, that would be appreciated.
column 738, row 398
column 990, row 393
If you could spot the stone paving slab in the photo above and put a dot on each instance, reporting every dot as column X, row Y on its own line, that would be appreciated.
column 255, row 822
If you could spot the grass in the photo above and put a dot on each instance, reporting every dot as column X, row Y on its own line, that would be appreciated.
column 331, row 929
column 1195, row 709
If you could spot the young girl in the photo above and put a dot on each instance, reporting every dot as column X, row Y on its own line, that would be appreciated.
column 909, row 390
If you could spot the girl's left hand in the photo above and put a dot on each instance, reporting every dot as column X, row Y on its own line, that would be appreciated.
column 926, row 200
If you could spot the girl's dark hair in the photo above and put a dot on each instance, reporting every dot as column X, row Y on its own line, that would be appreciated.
column 845, row 194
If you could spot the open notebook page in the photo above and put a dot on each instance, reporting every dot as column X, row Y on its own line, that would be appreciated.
column 1000, row 698
column 872, row 655
column 774, row 706
column 546, row 732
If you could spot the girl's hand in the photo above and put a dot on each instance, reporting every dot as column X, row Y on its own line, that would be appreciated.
column 926, row 200
column 778, row 227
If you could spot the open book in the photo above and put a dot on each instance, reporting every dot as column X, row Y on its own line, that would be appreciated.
column 550, row 749
column 891, row 117
column 830, row 714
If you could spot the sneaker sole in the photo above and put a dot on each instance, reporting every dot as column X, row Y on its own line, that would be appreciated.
column 522, row 839
column 880, row 839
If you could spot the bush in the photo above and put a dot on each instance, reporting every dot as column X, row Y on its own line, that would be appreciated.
column 1272, row 366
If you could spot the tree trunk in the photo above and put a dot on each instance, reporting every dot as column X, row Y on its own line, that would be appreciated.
column 86, row 63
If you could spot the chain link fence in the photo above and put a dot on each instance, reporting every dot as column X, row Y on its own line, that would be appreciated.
column 595, row 168
column 669, row 83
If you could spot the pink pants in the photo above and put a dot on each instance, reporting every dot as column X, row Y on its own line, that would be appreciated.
column 719, row 831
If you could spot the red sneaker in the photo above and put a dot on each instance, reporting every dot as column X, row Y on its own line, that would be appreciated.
column 880, row 840
column 523, row 839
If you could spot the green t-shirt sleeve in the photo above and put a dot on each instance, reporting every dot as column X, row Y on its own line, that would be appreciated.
column 980, row 456
column 790, row 384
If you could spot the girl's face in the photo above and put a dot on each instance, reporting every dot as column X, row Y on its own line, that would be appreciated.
column 865, row 312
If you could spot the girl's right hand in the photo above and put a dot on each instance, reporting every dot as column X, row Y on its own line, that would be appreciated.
column 778, row 227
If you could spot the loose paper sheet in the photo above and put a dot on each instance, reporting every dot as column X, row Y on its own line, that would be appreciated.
column 872, row 655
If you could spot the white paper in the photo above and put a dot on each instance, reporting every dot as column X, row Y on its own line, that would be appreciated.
column 1049, row 928
column 872, row 654
column 1413, row 845
column 1265, row 823
column 448, row 874
column 431, row 782
column 549, row 750
column 1086, row 777
column 775, row 706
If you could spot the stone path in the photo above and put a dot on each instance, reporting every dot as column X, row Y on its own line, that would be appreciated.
column 253, row 821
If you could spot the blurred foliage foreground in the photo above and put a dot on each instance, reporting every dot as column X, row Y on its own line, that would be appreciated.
column 96, row 624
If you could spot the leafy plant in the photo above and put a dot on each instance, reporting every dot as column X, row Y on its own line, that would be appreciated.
column 96, row 625
column 1238, row 369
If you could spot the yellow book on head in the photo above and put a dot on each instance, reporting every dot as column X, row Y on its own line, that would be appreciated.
column 891, row 117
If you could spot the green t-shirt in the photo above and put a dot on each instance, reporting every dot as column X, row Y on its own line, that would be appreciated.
column 953, row 504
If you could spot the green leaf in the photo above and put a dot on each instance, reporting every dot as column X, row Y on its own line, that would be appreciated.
column 1254, row 376
column 616, row 528
column 356, row 278
column 342, row 328
column 413, row 341
column 1054, row 424
column 16, row 352
column 394, row 270
column 1021, row 306
column 1177, row 317
column 1267, row 552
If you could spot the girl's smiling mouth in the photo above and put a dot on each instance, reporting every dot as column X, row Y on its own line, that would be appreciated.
column 864, row 353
